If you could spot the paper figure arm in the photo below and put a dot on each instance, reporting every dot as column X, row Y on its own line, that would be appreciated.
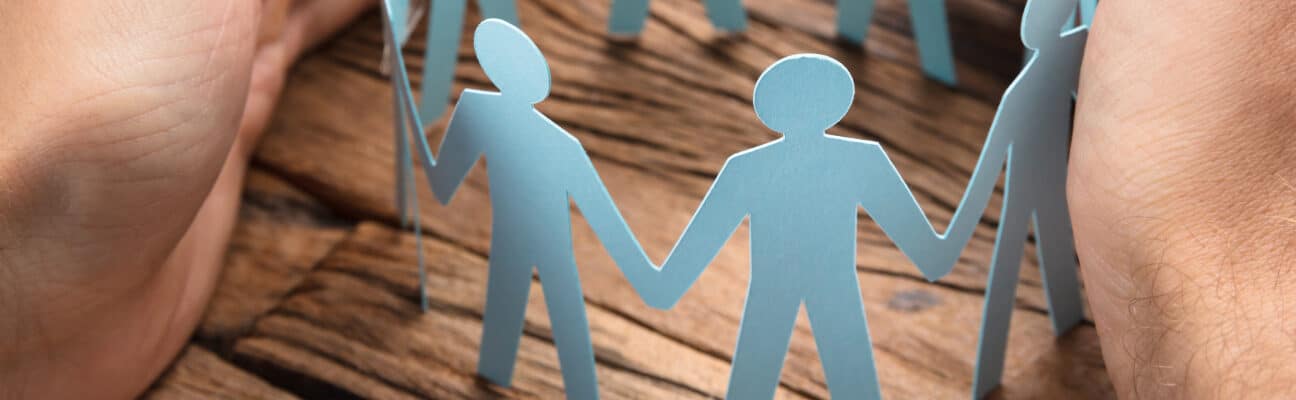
column 460, row 149
column 722, row 210
column 595, row 203
column 975, row 199
column 893, row 206
column 407, row 119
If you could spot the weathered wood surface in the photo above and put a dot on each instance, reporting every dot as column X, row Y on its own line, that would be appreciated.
column 319, row 298
column 199, row 374
column 282, row 233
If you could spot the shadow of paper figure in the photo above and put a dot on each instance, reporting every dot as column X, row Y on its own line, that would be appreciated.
column 627, row 17
column 1031, row 133
column 802, row 194
column 930, row 31
column 535, row 167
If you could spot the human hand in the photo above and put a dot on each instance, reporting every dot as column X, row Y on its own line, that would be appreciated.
column 1181, row 190
column 127, row 127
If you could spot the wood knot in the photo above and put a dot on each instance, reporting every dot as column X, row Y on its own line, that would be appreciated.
column 911, row 301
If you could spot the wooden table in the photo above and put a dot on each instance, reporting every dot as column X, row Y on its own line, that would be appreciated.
column 319, row 296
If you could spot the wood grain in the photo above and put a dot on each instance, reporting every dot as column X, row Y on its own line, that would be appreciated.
column 281, row 234
column 322, row 309
column 199, row 374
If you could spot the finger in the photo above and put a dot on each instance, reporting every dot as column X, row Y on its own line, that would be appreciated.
column 309, row 23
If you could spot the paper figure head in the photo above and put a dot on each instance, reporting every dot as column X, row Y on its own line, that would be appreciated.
column 1043, row 21
column 803, row 94
column 511, row 61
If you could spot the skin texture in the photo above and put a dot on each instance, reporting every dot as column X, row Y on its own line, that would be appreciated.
column 1182, row 193
column 128, row 127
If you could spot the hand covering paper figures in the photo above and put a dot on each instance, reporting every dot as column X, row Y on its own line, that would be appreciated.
column 801, row 194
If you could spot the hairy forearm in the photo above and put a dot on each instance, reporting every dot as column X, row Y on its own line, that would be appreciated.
column 1183, row 190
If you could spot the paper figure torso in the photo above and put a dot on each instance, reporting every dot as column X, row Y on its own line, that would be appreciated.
column 534, row 168
column 527, row 157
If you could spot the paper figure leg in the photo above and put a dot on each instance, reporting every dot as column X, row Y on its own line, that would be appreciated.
column 853, row 19
column 445, row 23
column 763, row 337
column 931, row 31
column 1001, row 293
column 502, row 9
column 727, row 15
column 404, row 165
column 562, row 293
column 506, row 300
column 627, row 17
column 1057, row 261
column 1073, row 21
column 841, row 334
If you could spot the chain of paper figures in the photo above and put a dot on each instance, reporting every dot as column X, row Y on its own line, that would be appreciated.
column 804, row 250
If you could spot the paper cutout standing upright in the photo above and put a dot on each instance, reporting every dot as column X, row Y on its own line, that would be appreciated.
column 445, row 21
column 397, row 15
column 1032, row 132
column 802, row 193
column 535, row 167
column 931, row 32
column 441, row 53
column 627, row 16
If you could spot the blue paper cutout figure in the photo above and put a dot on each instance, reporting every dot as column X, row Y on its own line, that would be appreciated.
column 399, row 11
column 786, row 182
column 627, row 16
column 1087, row 8
column 535, row 166
column 802, row 193
column 398, row 15
column 406, row 116
column 445, row 22
column 1031, row 132
column 1083, row 15
column 931, row 32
